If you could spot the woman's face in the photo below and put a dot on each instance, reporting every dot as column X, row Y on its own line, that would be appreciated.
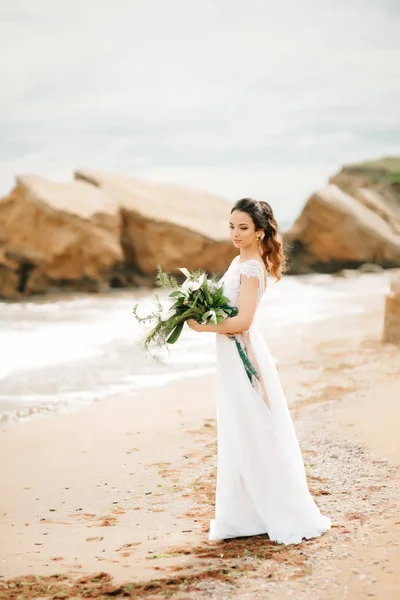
column 242, row 229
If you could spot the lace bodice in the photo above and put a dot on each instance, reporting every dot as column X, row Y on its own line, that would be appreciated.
column 231, row 278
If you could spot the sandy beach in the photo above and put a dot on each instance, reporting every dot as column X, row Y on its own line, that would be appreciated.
column 143, row 140
column 116, row 499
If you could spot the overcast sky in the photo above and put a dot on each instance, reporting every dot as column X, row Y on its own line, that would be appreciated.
column 236, row 97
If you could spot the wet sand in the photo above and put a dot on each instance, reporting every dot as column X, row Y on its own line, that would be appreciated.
column 127, row 489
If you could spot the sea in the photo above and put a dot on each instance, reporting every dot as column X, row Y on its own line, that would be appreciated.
column 59, row 353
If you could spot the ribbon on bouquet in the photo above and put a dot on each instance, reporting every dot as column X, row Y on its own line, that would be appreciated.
column 251, row 371
column 243, row 345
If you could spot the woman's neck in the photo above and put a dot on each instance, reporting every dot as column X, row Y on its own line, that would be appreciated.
column 249, row 254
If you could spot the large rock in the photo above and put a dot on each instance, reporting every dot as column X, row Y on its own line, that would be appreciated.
column 168, row 225
column 376, row 184
column 354, row 220
column 54, row 234
column 391, row 328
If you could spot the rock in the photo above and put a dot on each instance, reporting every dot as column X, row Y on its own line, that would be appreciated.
column 370, row 268
column 353, row 221
column 53, row 234
column 391, row 328
column 347, row 273
column 375, row 202
column 376, row 184
column 168, row 225
column 103, row 231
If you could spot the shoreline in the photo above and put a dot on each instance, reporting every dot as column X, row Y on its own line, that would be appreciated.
column 65, row 293
column 98, row 353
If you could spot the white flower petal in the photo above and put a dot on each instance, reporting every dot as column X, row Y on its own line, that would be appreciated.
column 185, row 272
column 167, row 315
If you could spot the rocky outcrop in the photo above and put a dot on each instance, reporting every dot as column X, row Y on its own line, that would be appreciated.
column 391, row 328
column 375, row 184
column 353, row 220
column 106, row 230
column 53, row 234
column 168, row 225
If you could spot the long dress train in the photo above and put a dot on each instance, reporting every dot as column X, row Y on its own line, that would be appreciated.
column 261, row 480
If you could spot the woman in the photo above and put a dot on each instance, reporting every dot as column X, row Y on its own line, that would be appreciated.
column 261, row 480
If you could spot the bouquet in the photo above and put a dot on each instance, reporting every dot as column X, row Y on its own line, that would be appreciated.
column 200, row 298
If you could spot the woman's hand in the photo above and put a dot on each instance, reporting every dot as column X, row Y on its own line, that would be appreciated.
column 195, row 325
column 203, row 328
column 206, row 328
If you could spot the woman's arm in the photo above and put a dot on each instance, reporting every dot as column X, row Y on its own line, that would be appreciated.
column 246, row 310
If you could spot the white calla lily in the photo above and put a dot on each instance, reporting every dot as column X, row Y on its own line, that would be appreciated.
column 185, row 287
column 190, row 286
column 165, row 315
column 210, row 314
column 195, row 285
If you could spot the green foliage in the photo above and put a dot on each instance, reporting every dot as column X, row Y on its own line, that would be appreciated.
column 390, row 164
column 164, row 280
column 393, row 177
column 198, row 298
column 384, row 170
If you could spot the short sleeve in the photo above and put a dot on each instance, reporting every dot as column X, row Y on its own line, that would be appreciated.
column 251, row 269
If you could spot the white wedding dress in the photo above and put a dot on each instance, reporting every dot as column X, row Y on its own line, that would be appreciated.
column 261, row 480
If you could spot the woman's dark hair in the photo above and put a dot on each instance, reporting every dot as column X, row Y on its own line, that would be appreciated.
column 270, row 243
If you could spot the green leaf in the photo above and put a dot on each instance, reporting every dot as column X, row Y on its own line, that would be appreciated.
column 195, row 299
column 176, row 293
column 218, row 295
column 207, row 294
column 176, row 305
column 176, row 333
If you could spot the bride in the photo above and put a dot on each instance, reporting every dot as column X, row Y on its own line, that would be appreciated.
column 261, row 480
